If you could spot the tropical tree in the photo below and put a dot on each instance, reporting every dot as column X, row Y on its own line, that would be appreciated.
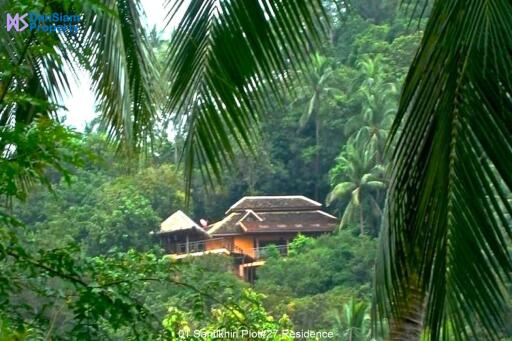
column 444, row 257
column 111, row 45
column 313, row 92
column 223, row 58
column 357, row 177
column 226, row 55
column 353, row 322
column 375, row 10
column 227, row 62
column 378, row 105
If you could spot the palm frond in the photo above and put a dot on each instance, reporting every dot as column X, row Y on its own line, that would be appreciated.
column 446, row 229
column 122, row 68
column 312, row 108
column 356, row 197
column 35, row 71
column 228, row 61
column 112, row 46
column 348, row 214
column 339, row 191
column 375, row 185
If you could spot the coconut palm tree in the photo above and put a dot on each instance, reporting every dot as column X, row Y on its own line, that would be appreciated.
column 444, row 257
column 379, row 101
column 357, row 177
column 314, row 91
column 226, row 60
column 111, row 45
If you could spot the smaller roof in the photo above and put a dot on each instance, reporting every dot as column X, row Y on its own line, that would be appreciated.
column 179, row 221
column 228, row 225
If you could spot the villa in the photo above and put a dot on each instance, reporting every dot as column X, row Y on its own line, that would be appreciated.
column 251, row 227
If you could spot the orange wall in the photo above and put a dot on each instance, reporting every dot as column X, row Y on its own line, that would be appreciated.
column 246, row 243
column 240, row 242
column 218, row 243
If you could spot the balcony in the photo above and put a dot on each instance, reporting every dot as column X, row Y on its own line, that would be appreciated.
column 216, row 245
column 270, row 251
column 200, row 246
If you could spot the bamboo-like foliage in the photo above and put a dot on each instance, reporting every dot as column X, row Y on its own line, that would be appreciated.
column 228, row 61
column 448, row 218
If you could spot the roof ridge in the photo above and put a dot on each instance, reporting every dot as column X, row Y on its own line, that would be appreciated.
column 177, row 221
column 270, row 197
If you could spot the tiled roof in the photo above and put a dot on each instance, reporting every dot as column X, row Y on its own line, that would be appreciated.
column 227, row 225
column 248, row 221
column 257, row 227
column 274, row 203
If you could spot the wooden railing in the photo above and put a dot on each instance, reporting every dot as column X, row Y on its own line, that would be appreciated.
column 199, row 246
column 257, row 253
column 271, row 250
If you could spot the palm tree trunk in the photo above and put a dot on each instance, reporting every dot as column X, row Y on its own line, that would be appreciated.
column 317, row 156
column 410, row 325
column 361, row 218
column 176, row 154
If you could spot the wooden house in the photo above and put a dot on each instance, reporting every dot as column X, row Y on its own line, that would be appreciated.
column 251, row 228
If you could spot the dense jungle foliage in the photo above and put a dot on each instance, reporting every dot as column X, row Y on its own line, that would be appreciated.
column 79, row 257
column 110, row 204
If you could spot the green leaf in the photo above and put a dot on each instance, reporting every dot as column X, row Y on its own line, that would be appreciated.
column 228, row 60
column 446, row 229
column 340, row 190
